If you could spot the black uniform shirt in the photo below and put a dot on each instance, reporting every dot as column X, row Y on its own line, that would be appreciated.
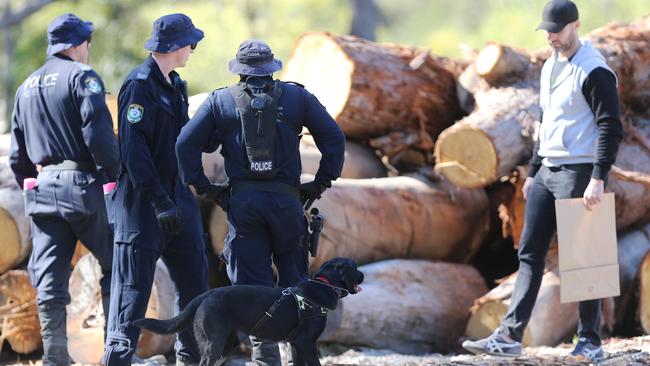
column 60, row 114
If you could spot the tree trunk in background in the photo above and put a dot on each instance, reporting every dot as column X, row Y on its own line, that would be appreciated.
column 372, row 89
column 410, row 306
column 626, row 47
column 401, row 217
column 18, row 312
column 86, row 315
column 365, row 18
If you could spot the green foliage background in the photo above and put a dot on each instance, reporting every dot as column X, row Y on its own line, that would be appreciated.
column 122, row 26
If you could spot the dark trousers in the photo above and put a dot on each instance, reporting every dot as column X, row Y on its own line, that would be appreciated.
column 134, row 266
column 265, row 228
column 65, row 207
column 568, row 181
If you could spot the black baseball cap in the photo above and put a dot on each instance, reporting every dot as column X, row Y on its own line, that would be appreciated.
column 557, row 14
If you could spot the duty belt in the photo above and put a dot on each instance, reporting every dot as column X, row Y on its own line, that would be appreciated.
column 265, row 186
column 84, row 166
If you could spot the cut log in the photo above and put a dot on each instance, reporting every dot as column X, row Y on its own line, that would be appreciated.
column 633, row 156
column 401, row 217
column 18, row 312
column 410, row 306
column 551, row 322
column 632, row 247
column 372, row 89
column 626, row 46
column 512, row 212
column 489, row 143
column 500, row 64
column 406, row 151
column 15, row 240
column 360, row 161
column 86, row 316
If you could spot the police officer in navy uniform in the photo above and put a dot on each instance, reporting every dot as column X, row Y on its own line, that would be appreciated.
column 257, row 123
column 61, row 122
column 158, row 216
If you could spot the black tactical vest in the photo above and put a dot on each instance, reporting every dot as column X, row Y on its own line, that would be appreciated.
column 257, row 103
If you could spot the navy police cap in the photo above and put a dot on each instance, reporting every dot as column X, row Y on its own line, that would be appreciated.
column 171, row 32
column 254, row 57
column 67, row 31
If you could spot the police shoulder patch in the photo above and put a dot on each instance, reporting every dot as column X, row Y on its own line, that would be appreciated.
column 134, row 113
column 93, row 85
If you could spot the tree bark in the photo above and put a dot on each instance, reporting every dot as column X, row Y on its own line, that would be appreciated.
column 374, row 219
column 410, row 306
column 18, row 312
column 372, row 89
column 626, row 46
column 634, row 156
column 489, row 143
column 632, row 247
column 551, row 322
column 86, row 316
column 405, row 151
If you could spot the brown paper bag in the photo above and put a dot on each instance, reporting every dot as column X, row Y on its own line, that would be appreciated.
column 587, row 249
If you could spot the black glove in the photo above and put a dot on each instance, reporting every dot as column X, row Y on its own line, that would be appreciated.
column 169, row 218
column 311, row 191
column 217, row 193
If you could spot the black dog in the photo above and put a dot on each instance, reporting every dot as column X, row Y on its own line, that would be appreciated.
column 297, row 314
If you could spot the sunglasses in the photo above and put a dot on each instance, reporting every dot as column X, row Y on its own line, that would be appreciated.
column 193, row 46
column 89, row 39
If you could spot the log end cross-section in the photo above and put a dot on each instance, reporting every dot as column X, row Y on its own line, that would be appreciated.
column 467, row 157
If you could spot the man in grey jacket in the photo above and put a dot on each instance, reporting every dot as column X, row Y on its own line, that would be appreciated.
column 578, row 142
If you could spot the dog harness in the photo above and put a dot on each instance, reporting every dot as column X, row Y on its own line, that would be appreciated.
column 307, row 309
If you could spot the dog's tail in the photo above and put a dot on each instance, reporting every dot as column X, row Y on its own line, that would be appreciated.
column 175, row 324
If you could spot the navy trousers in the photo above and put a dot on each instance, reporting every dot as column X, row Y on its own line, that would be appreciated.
column 265, row 228
column 568, row 181
column 66, row 206
column 132, row 278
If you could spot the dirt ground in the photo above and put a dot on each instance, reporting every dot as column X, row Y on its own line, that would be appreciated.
column 619, row 352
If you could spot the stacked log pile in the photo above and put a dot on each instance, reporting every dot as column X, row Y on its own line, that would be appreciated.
column 434, row 168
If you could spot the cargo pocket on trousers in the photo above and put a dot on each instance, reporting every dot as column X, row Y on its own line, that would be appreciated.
column 126, row 258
